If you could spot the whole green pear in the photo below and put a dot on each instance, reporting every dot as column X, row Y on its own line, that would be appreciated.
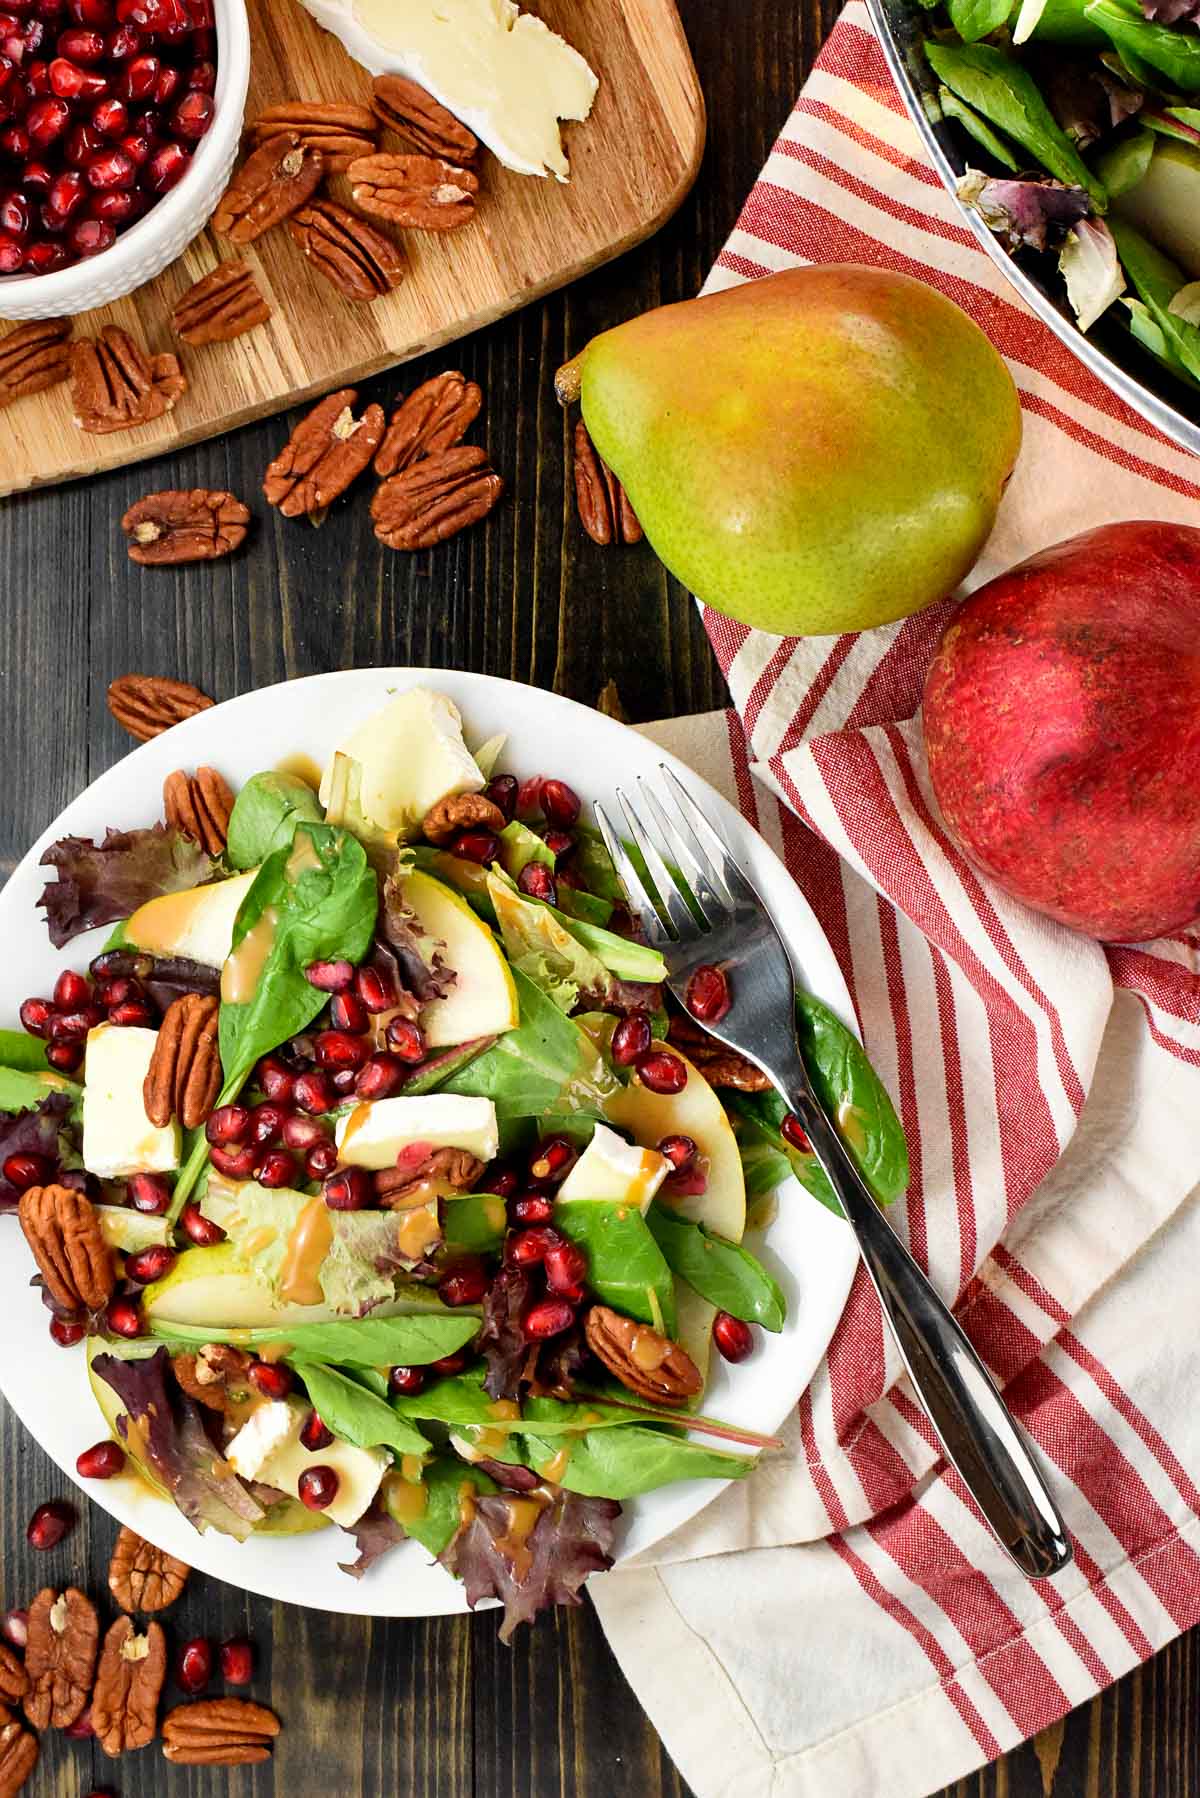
column 819, row 450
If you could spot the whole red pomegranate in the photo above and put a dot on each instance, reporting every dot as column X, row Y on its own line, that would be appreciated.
column 1062, row 726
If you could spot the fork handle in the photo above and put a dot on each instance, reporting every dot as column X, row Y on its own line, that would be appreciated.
column 974, row 1425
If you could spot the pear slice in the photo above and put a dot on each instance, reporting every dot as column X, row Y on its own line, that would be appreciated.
column 483, row 999
column 1165, row 203
column 214, row 1289
column 197, row 923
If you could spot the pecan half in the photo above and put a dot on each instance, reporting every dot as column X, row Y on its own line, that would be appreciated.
column 719, row 1065
column 129, row 1679
column 18, row 1754
column 326, row 452
column 339, row 129
column 115, row 385
column 147, row 704
column 219, row 1732
column 215, row 1376
column 142, row 1577
column 604, row 509
column 436, row 498
column 60, row 1656
column 14, row 1681
column 220, row 306
column 407, row 109
column 433, row 418
column 351, row 254
column 272, row 183
column 443, row 1171
column 199, row 805
column 649, row 1364
column 422, row 193
column 173, row 527
column 33, row 357
column 63, row 1231
column 184, row 1076
column 459, row 812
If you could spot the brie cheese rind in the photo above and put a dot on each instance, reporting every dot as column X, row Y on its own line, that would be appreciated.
column 500, row 71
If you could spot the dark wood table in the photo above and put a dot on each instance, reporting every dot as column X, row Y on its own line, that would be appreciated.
column 438, row 1709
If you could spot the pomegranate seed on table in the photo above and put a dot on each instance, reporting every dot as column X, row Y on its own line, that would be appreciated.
column 733, row 1338
column 101, row 1462
column 66, row 1332
column 313, row 1093
column 463, row 1284
column 793, row 1132
column 266, row 1123
column 337, row 1049
column 680, row 1151
column 529, row 1248
column 24, row 1170
column 482, row 846
column 235, row 1164
column 330, row 976
column 14, row 1627
column 193, row 1669
column 502, row 791
column 707, row 994
column 199, row 1229
column 35, row 1015
column 65, row 1057
column 553, row 1159
column 149, row 1264
column 549, row 1318
column 406, row 1039
column 82, row 1728
column 349, row 1190
column 536, row 882
column 124, row 1318
column 271, row 1378
column 303, row 1133
column 49, row 1524
column 561, row 804
column 321, row 1160
column 317, row 1488
column 661, row 1072
column 237, row 1658
column 533, row 1208
column 277, row 1081
column 347, row 1012
column 375, row 989
column 315, row 1436
column 276, row 1169
column 150, row 1194
column 380, row 1077
column 566, row 1269
column 408, row 1381
column 71, row 990
column 631, row 1037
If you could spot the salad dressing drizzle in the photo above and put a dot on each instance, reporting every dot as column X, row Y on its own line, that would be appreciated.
column 417, row 1231
column 308, row 1245
column 522, row 1516
column 242, row 971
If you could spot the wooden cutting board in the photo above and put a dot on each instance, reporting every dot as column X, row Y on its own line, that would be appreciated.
column 632, row 163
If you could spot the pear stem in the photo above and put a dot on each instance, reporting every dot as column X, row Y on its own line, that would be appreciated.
column 568, row 382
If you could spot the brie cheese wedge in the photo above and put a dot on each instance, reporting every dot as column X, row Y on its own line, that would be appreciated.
column 499, row 70
column 378, row 1131
column 118, row 1137
column 617, row 1171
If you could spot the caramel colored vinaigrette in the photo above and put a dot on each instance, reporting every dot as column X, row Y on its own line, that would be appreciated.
column 303, row 767
column 553, row 1469
column 648, row 1350
column 522, row 1515
column 466, row 1505
column 417, row 1231
column 303, row 858
column 411, row 1468
column 851, row 1123
column 407, row 1501
column 241, row 973
column 505, row 1410
column 308, row 1245
column 275, row 1351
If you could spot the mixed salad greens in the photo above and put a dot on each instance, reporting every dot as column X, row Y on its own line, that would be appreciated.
column 443, row 1253
column 1088, row 116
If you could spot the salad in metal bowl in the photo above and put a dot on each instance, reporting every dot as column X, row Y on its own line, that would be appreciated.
column 370, row 1176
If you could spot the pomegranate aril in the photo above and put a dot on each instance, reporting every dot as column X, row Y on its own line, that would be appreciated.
column 193, row 115
column 463, row 1284
column 166, row 167
column 314, row 1093
column 237, row 1655
column 228, row 1125
column 277, row 1081
column 71, row 990
column 661, row 1072
column 72, row 83
column 529, row 1248
column 199, row 1229
column 549, row 1318
column 14, row 1627
column 317, row 1488
column 49, row 1524
column 533, row 1208
column 83, row 1728
column 202, row 77
column 193, row 1669
column 110, row 118
column 631, row 1037
column 81, row 45
column 23, row 1170
column 343, row 1080
column 266, row 1123
column 349, row 1190
column 680, row 1151
column 707, row 994
column 149, row 1264
column 338, row 1049
column 46, row 120
column 91, row 12
column 500, row 1180
column 502, row 791
column 133, row 1014
column 793, row 1133
column 449, row 1365
column 566, row 1269
column 37, row 177
column 235, row 1164
column 529, row 798
column 315, row 1436
column 560, row 844
column 35, row 1015
column 380, row 1077
column 112, row 168
column 101, row 1462
column 347, row 1012
column 139, row 76
column 37, row 80
column 407, row 1381
column 482, row 846
column 81, row 145
column 733, row 1338
column 276, row 1169
column 560, row 803
column 406, row 1039
column 271, row 1378
column 330, row 976
column 375, row 989
column 64, row 1058
column 321, row 1160
column 303, row 1133
column 536, row 881
column 14, row 142
column 167, row 85
column 16, row 215
column 117, row 207
column 88, row 237
column 553, row 1159
column 124, row 43
column 66, row 1332
column 124, row 1318
column 149, row 1193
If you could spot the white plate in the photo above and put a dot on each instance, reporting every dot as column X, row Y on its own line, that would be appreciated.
column 811, row 1254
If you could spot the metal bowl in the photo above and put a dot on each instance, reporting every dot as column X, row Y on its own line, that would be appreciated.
column 1111, row 353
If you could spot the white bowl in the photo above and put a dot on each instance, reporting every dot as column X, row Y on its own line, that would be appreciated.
column 171, row 223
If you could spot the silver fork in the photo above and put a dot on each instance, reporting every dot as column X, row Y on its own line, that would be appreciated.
column 735, row 932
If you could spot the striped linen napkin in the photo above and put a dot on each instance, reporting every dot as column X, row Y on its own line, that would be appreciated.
column 877, row 1644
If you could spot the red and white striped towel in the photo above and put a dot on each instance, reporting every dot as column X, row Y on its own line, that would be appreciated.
column 877, row 1644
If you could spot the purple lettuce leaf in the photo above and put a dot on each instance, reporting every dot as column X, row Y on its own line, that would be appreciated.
column 375, row 1533
column 100, row 883
column 166, row 1429
column 502, row 1339
column 621, row 997
column 571, row 1538
column 1036, row 213
column 558, row 1365
column 43, row 1131
column 1172, row 12
column 1087, row 99
column 426, row 979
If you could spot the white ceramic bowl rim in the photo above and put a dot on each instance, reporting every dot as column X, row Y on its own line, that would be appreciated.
column 233, row 65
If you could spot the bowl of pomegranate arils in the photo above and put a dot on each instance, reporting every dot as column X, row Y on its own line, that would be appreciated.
column 119, row 123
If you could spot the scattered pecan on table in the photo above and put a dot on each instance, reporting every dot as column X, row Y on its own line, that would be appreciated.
column 643, row 1360
column 719, row 1065
column 129, row 1679
column 60, row 1656
column 115, row 385
column 442, row 1172
column 199, row 805
column 326, row 452
column 604, row 509
column 18, row 1753
column 352, row 255
column 142, row 1577
column 412, row 113
column 220, row 306
column 168, row 528
column 63, row 1231
column 147, row 704
column 460, row 811
column 435, row 498
column 14, row 1681
column 219, row 1732
column 215, row 1376
column 184, row 1076
column 33, row 357
column 339, row 129
column 271, row 184
column 422, row 193
column 434, row 417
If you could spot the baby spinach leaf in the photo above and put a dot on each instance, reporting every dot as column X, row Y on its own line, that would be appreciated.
column 973, row 19
column 1124, row 163
column 979, row 129
column 20, row 1050
column 594, row 865
column 352, row 1412
column 575, row 902
column 722, row 1272
column 1157, row 280
column 1007, row 95
column 546, row 1066
column 443, row 1481
column 624, row 1462
column 476, row 1224
column 625, row 1264
column 1173, row 54
column 265, row 815
column 405, row 1341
